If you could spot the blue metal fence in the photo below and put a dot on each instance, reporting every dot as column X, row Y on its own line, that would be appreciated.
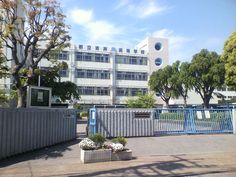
column 193, row 121
column 123, row 122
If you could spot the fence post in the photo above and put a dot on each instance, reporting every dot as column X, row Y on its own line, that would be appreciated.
column 234, row 120
column 92, row 121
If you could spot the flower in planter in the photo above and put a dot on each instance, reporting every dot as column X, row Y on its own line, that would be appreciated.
column 120, row 140
column 87, row 144
column 116, row 147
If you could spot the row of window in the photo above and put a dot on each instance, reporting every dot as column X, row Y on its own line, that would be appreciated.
column 94, row 91
column 104, row 74
column 83, row 90
column 130, row 91
column 120, row 75
column 131, row 60
column 93, row 74
column 104, row 58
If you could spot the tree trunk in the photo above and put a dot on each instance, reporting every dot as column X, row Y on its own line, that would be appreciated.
column 21, row 92
column 30, row 76
column 206, row 101
column 185, row 102
column 20, row 98
column 167, row 102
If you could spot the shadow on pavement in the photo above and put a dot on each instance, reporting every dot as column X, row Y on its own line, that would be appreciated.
column 54, row 151
column 177, row 167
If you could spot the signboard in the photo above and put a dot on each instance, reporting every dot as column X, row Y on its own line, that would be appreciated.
column 39, row 96
column 199, row 114
column 207, row 114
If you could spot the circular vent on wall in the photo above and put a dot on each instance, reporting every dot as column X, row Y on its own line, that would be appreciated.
column 158, row 46
column 158, row 61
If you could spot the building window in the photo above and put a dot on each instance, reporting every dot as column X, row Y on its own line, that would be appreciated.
column 158, row 46
column 86, row 90
column 81, row 73
column 78, row 56
column 121, row 75
column 104, row 48
column 130, row 91
column 120, row 50
column 87, row 57
column 128, row 50
column 121, row 92
column 102, row 91
column 64, row 73
column 92, row 57
column 101, row 58
column 92, row 74
column 142, row 51
column 63, row 55
column 158, row 61
column 131, row 60
column 80, row 46
column 97, row 48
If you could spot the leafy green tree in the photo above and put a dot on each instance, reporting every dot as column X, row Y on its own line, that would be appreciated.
column 162, row 83
column 175, row 80
column 41, row 25
column 181, row 83
column 3, row 68
column 3, row 98
column 142, row 101
column 206, row 74
column 185, row 81
column 229, row 58
column 50, row 78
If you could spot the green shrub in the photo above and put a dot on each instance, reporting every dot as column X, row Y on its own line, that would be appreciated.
column 217, row 116
column 98, row 139
column 83, row 114
column 120, row 140
column 214, row 116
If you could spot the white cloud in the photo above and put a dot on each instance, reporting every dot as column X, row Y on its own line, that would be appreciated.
column 95, row 31
column 178, row 45
column 102, row 31
column 81, row 16
column 143, row 9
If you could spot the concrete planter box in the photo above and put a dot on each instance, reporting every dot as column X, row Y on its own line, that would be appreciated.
column 123, row 155
column 90, row 156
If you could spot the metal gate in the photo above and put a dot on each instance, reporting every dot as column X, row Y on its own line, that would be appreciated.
column 192, row 121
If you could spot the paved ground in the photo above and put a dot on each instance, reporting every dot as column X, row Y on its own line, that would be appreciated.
column 193, row 155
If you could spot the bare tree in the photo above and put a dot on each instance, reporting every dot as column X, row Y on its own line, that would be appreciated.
column 29, row 25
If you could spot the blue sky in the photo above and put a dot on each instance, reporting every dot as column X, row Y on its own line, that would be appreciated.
column 190, row 25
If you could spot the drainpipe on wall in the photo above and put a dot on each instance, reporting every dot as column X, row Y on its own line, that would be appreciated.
column 113, row 76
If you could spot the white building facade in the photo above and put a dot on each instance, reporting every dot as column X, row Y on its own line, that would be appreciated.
column 111, row 75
